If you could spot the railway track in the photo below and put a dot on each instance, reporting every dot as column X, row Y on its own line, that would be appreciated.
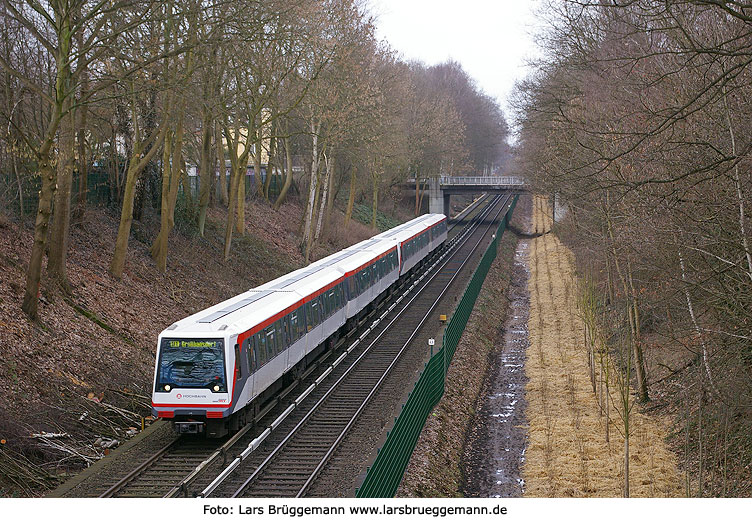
column 283, row 453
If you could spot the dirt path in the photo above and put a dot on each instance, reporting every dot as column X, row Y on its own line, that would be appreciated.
column 567, row 454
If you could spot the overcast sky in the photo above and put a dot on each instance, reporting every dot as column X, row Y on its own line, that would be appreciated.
column 490, row 38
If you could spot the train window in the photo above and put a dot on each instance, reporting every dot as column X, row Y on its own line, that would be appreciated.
column 351, row 287
column 251, row 354
column 294, row 326
column 302, row 321
column 325, row 309
column 309, row 315
column 261, row 344
column 237, row 360
column 276, row 339
column 316, row 311
column 332, row 302
column 286, row 335
column 279, row 339
column 271, row 343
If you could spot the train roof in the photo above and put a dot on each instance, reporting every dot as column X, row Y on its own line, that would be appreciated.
column 413, row 227
column 279, row 294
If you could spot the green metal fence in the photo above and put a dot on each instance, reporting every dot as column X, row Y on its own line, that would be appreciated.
column 97, row 190
column 384, row 476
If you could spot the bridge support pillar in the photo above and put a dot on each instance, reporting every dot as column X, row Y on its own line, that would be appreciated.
column 437, row 200
column 447, row 196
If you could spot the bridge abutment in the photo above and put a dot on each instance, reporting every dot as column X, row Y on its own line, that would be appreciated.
column 438, row 199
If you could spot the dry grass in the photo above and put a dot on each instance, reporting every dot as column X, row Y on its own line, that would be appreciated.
column 568, row 455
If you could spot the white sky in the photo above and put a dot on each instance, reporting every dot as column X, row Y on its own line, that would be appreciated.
column 491, row 39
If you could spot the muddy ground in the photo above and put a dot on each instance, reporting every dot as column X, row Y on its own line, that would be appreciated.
column 495, row 451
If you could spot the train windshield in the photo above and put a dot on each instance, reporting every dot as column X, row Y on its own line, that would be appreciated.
column 188, row 363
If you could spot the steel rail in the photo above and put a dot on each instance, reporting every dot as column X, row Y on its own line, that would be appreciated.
column 119, row 485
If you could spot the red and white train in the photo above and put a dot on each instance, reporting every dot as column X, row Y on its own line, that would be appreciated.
column 215, row 369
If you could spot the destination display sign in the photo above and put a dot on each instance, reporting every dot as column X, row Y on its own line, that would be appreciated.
column 194, row 344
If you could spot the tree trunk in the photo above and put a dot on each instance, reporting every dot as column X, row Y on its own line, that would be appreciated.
column 236, row 179
column 375, row 205
column 34, row 273
column 324, row 197
column 171, row 177
column 269, row 170
column 626, row 465
column 237, row 182
column 257, row 163
column 60, row 231
column 642, row 387
column 330, row 200
column 738, row 187
column 47, row 171
column 222, row 166
column 126, row 220
column 417, row 193
column 136, row 166
column 81, row 117
column 351, row 197
column 204, row 172
column 240, row 207
column 642, row 380
column 288, row 175
column 312, row 193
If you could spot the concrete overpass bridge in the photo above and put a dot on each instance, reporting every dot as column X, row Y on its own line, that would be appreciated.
column 440, row 189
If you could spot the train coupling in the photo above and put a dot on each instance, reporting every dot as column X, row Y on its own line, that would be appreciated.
column 189, row 427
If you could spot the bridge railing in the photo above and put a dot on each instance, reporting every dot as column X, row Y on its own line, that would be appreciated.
column 481, row 181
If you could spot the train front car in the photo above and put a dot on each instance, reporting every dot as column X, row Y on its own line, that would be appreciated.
column 193, row 382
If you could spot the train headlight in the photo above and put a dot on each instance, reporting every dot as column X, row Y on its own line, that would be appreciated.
column 216, row 387
column 167, row 387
